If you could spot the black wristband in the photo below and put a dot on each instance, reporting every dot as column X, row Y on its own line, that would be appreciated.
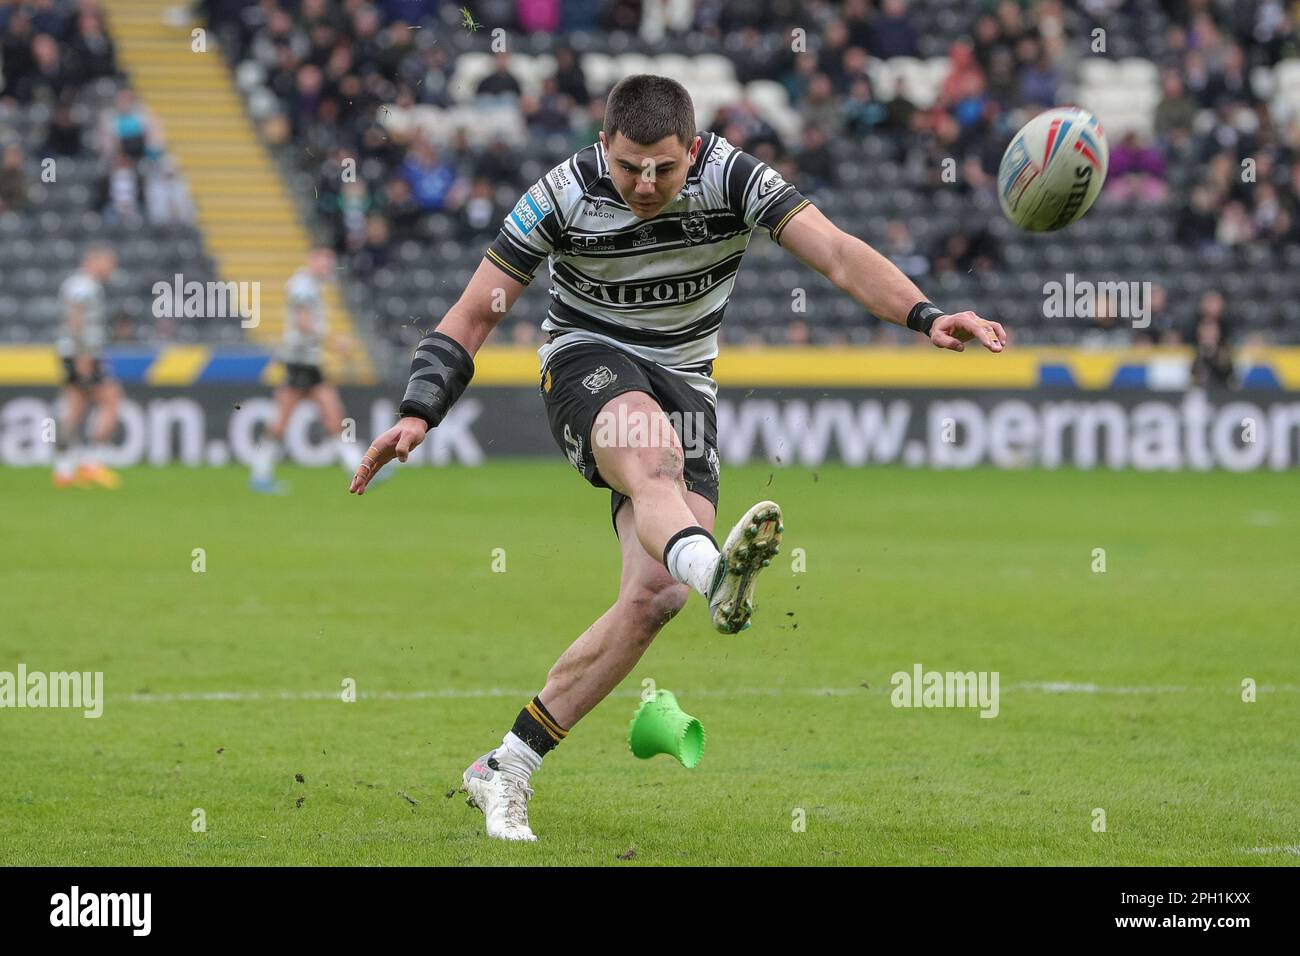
column 922, row 317
column 440, row 372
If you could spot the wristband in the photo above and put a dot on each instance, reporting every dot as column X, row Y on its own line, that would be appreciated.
column 922, row 317
column 440, row 372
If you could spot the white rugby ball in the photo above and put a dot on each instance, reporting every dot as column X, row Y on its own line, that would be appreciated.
column 1053, row 169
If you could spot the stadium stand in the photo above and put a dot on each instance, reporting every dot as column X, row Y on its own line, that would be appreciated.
column 893, row 121
column 84, row 161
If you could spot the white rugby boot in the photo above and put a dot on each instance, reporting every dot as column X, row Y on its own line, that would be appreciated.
column 749, row 548
column 503, row 798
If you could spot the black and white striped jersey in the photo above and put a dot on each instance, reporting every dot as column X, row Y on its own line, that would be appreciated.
column 654, row 287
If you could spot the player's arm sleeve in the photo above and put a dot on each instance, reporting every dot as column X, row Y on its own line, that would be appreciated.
column 758, row 194
column 529, row 234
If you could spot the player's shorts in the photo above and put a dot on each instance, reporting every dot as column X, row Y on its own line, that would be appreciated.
column 578, row 381
column 99, row 373
column 302, row 377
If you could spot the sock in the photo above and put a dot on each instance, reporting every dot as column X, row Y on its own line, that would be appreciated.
column 533, row 736
column 349, row 453
column 65, row 452
column 94, row 454
column 65, row 462
column 264, row 458
column 691, row 557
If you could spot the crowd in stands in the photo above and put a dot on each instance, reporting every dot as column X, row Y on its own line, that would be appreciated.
column 334, row 65
column 52, row 51
column 1217, row 162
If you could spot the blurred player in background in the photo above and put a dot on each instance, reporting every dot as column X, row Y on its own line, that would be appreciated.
column 88, row 381
column 305, row 334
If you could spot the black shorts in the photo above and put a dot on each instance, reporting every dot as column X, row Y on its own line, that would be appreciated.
column 578, row 381
column 302, row 377
column 99, row 373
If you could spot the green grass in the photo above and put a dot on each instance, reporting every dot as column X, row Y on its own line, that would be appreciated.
column 984, row 571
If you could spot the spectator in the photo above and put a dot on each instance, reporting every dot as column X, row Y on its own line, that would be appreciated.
column 1177, row 110
column 892, row 33
column 569, row 78
column 92, row 48
column 1212, row 365
column 500, row 82
column 13, row 180
column 128, row 128
column 433, row 182
column 401, row 209
column 480, row 216
column 900, row 248
column 1038, row 79
column 63, row 135
column 816, row 165
column 1137, row 172
column 166, row 196
column 862, row 113
column 122, row 192
column 375, row 251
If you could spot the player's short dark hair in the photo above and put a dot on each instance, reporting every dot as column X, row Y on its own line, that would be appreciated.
column 645, row 108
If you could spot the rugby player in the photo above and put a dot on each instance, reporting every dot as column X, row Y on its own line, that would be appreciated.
column 87, row 378
column 305, row 332
column 643, row 232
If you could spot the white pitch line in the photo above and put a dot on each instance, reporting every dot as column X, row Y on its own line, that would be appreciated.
column 1289, row 850
column 1046, row 687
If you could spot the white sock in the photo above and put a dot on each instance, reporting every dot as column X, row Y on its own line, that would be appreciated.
column 692, row 560
column 515, row 756
column 65, row 462
column 264, row 458
column 349, row 453
column 94, row 454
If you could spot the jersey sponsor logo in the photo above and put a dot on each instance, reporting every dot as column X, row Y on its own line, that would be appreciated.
column 532, row 207
column 673, row 290
column 719, row 152
column 596, row 207
column 591, row 243
column 573, row 448
column 771, row 183
column 559, row 177
column 644, row 236
column 695, row 227
column 599, row 379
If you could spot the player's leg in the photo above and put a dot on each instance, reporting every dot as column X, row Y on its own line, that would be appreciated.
column 106, row 397
column 653, row 473
column 67, row 435
column 327, row 399
column 639, row 454
column 270, row 449
column 648, row 598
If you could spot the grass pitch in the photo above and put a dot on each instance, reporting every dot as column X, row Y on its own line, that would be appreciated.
column 1120, row 691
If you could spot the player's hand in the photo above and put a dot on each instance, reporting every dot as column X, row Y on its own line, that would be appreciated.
column 84, row 365
column 397, row 442
column 953, row 331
